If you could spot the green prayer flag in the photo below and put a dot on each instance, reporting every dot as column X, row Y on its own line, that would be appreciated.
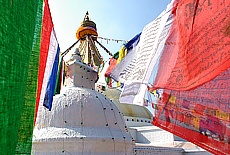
column 20, row 24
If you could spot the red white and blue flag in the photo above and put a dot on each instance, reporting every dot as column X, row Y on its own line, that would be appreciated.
column 49, row 60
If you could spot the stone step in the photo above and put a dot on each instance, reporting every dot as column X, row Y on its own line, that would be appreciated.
column 149, row 150
column 151, row 134
column 153, row 140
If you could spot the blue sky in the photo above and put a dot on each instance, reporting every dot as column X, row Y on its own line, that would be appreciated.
column 115, row 19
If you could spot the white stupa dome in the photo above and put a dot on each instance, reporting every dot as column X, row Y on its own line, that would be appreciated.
column 82, row 121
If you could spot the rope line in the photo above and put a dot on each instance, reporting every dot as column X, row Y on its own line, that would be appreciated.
column 82, row 52
column 96, row 52
column 66, row 51
column 108, row 39
column 104, row 48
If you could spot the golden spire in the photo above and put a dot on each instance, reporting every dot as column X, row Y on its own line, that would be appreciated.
column 87, row 33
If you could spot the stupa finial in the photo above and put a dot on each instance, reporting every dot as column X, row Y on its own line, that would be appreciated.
column 86, row 18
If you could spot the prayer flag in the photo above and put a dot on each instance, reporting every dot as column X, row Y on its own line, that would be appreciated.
column 122, row 53
column 20, row 46
column 136, row 67
column 48, row 65
column 125, row 60
column 133, row 42
column 200, row 115
column 133, row 94
column 50, row 86
column 60, row 76
column 112, row 64
column 196, row 50
column 194, row 70
column 138, row 64
column 101, row 80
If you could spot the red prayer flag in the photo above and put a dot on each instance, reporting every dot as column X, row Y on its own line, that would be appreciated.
column 201, row 115
column 197, row 49
column 112, row 64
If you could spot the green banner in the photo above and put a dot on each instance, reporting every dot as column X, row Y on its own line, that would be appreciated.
column 19, row 49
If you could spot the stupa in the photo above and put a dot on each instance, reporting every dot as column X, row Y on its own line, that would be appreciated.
column 82, row 120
